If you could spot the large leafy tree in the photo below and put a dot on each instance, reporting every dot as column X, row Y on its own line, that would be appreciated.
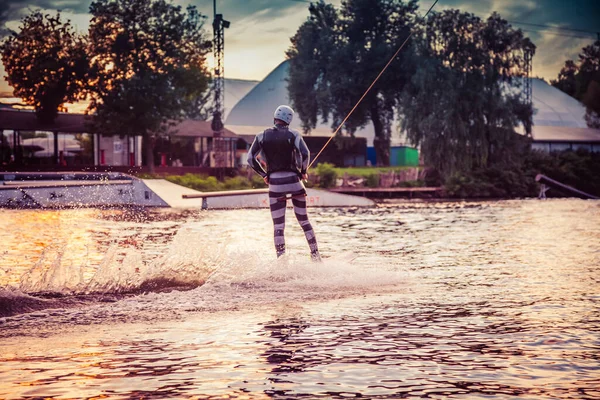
column 148, row 66
column 337, row 54
column 581, row 80
column 46, row 64
column 463, row 103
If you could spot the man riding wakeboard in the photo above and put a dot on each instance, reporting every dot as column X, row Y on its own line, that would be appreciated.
column 286, row 156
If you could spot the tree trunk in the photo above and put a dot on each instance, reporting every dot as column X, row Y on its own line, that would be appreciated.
column 381, row 141
column 149, row 149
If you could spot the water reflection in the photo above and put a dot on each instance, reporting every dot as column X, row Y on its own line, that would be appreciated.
column 285, row 352
column 467, row 300
column 435, row 350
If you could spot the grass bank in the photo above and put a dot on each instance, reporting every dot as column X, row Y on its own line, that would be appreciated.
column 205, row 183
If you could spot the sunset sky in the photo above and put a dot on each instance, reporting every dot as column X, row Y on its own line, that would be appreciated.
column 260, row 29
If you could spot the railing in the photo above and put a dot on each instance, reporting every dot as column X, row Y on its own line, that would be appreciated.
column 224, row 193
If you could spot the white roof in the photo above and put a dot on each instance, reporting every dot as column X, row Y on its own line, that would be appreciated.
column 235, row 90
column 554, row 107
column 257, row 106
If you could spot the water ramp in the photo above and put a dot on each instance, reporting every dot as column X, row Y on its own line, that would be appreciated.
column 172, row 194
column 569, row 190
column 258, row 198
column 58, row 190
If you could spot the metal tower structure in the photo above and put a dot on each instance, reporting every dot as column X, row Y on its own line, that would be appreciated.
column 528, row 71
column 219, row 25
column 528, row 86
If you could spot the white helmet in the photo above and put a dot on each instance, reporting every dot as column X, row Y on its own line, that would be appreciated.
column 284, row 113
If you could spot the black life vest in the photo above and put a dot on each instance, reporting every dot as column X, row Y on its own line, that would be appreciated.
column 279, row 149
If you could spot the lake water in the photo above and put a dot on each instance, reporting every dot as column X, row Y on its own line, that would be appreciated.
column 445, row 299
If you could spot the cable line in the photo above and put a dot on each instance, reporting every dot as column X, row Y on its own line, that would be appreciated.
column 368, row 89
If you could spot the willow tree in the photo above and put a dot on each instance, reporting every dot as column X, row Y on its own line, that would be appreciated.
column 46, row 64
column 464, row 102
column 148, row 66
column 337, row 54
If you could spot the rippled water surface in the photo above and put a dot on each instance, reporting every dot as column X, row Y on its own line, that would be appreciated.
column 435, row 300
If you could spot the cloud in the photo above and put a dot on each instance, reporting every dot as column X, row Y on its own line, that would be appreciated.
column 253, row 47
column 262, row 11
column 15, row 9
column 11, row 12
column 548, row 64
column 508, row 9
column 8, row 9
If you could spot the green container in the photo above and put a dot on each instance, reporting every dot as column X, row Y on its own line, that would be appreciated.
column 403, row 156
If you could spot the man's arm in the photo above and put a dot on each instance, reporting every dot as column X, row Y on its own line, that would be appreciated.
column 303, row 151
column 255, row 150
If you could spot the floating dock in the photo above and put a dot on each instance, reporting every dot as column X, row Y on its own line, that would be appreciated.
column 391, row 192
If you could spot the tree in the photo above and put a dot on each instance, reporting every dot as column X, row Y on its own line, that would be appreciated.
column 46, row 63
column 581, row 80
column 148, row 66
column 591, row 99
column 567, row 81
column 463, row 103
column 336, row 55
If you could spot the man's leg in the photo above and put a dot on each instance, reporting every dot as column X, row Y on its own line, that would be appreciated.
column 278, row 215
column 302, row 217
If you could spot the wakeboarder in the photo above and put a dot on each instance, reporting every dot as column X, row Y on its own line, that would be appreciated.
column 286, row 156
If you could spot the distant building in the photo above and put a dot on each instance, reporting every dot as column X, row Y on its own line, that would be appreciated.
column 560, row 138
column 559, row 121
column 27, row 144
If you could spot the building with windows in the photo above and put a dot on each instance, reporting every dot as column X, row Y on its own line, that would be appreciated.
column 27, row 144
column 559, row 121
